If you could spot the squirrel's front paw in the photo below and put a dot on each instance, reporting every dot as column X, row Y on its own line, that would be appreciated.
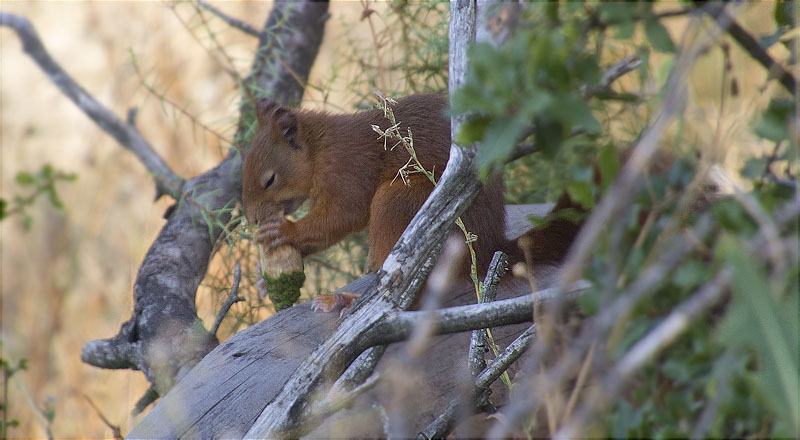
column 273, row 233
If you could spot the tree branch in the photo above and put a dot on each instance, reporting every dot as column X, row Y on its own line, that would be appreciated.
column 598, row 326
column 623, row 187
column 613, row 73
column 445, row 423
column 403, row 271
column 654, row 342
column 167, row 182
column 164, row 337
column 750, row 45
column 398, row 326
column 233, row 298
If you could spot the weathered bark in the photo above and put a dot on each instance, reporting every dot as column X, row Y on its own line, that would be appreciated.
column 227, row 391
column 164, row 337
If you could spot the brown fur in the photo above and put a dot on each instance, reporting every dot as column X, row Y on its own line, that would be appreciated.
column 339, row 163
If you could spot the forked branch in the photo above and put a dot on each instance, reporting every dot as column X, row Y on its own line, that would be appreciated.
column 167, row 182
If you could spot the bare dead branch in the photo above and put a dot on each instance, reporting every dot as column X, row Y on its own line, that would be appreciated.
column 337, row 400
column 479, row 340
column 439, row 284
column 598, row 326
column 725, row 21
column 613, row 73
column 445, row 423
column 234, row 22
column 398, row 326
column 610, row 385
column 232, row 298
column 167, row 182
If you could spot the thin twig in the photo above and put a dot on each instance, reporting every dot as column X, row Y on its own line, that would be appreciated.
column 611, row 74
column 751, row 46
column 115, row 430
column 238, row 24
column 397, row 326
column 337, row 400
column 623, row 187
column 167, row 182
column 446, row 421
column 597, row 327
column 479, row 340
column 149, row 396
column 232, row 299
column 640, row 354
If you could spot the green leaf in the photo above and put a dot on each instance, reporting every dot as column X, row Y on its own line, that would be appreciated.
column 548, row 135
column 658, row 36
column 690, row 274
column 54, row 199
column 3, row 209
column 783, row 13
column 758, row 321
column 773, row 124
column 47, row 172
column 499, row 141
column 472, row 131
column 754, row 167
column 25, row 178
column 608, row 162
column 69, row 177
column 581, row 192
column 625, row 30
column 616, row 12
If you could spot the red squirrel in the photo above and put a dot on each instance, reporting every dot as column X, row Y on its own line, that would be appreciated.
column 339, row 164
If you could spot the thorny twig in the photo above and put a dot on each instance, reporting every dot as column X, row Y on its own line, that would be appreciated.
column 725, row 21
column 234, row 22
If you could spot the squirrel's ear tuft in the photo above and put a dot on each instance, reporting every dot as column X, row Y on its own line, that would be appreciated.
column 287, row 121
column 269, row 111
column 264, row 109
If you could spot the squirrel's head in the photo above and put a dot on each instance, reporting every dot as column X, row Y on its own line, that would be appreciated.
column 276, row 174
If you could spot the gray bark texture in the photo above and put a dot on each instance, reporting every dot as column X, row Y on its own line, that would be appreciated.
column 164, row 337
column 226, row 392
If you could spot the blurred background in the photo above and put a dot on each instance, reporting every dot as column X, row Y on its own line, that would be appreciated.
column 66, row 275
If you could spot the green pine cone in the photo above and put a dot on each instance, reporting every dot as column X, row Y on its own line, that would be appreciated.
column 284, row 290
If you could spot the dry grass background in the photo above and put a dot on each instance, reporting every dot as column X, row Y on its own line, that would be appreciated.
column 68, row 279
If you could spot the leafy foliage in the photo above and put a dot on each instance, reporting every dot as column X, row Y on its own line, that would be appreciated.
column 731, row 375
column 40, row 183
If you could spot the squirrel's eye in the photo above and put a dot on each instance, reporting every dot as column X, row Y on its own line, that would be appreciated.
column 270, row 181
